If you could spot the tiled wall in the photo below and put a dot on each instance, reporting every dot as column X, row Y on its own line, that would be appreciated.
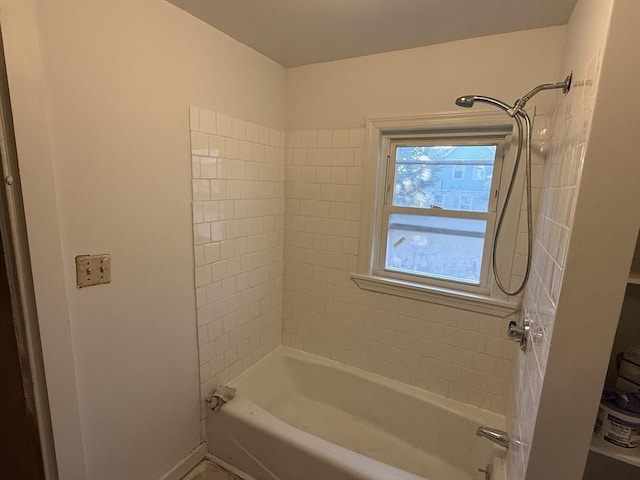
column 460, row 354
column 238, row 230
column 571, row 122
column 239, row 223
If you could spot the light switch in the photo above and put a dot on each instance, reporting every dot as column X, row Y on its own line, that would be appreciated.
column 93, row 270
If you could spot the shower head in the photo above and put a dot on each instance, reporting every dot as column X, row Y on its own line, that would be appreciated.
column 466, row 101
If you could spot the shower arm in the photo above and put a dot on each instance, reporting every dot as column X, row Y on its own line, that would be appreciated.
column 519, row 106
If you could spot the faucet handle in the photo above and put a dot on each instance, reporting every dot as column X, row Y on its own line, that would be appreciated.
column 519, row 334
column 488, row 471
column 514, row 331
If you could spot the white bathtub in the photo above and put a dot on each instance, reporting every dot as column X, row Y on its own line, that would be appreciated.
column 297, row 416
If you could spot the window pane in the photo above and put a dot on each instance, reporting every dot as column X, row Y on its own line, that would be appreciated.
column 442, row 247
column 450, row 177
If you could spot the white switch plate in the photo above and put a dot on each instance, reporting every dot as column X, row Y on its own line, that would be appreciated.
column 93, row 270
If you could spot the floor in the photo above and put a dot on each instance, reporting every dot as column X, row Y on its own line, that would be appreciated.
column 207, row 470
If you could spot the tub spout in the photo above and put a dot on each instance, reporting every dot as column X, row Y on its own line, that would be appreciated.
column 496, row 436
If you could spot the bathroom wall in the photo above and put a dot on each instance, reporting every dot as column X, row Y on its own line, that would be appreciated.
column 102, row 127
column 583, row 249
column 457, row 353
column 238, row 232
column 100, row 94
column 424, row 80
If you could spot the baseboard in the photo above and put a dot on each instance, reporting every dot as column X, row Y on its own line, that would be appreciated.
column 231, row 468
column 187, row 463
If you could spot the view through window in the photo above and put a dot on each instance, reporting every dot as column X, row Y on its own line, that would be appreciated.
column 438, row 209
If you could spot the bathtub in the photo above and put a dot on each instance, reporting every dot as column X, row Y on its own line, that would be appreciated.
column 297, row 416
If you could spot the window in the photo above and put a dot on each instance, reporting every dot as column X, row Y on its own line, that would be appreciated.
column 431, row 192
column 426, row 240
column 458, row 172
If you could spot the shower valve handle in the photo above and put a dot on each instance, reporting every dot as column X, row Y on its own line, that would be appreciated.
column 519, row 334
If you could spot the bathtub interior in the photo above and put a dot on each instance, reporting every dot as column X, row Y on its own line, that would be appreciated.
column 391, row 422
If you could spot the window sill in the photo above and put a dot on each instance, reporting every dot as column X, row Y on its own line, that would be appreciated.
column 441, row 296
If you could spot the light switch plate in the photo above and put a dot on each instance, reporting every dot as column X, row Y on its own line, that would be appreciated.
column 93, row 270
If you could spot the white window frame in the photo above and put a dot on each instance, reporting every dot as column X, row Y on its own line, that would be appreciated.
column 389, row 144
column 485, row 298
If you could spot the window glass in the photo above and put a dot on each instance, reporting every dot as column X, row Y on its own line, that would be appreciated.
column 454, row 177
column 434, row 246
column 447, row 189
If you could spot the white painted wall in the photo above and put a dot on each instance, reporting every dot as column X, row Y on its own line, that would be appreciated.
column 423, row 80
column 100, row 94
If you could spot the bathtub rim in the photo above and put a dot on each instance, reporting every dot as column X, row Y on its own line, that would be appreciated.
column 343, row 458
column 448, row 406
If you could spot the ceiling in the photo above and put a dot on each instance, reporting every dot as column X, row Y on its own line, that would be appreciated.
column 301, row 32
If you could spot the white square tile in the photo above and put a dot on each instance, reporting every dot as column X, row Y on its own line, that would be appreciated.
column 340, row 138
column 309, row 138
column 275, row 138
column 199, row 143
column 203, row 276
column 216, row 146
column 231, row 148
column 211, row 211
column 239, row 129
column 264, row 135
column 324, row 138
column 224, row 125
column 198, row 254
column 329, row 156
column 356, row 137
column 208, row 167
column 198, row 216
column 207, row 121
column 217, row 231
column 345, row 157
column 217, row 189
column 251, row 132
column 200, row 190
column 201, row 233
column 195, row 167
column 294, row 139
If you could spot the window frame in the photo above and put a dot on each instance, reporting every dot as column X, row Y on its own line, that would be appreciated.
column 490, row 300
column 389, row 144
